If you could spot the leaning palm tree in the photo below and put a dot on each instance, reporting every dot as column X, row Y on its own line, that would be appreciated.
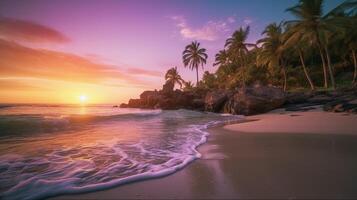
column 221, row 58
column 271, row 52
column 310, row 26
column 237, row 46
column 193, row 56
column 291, row 42
column 352, row 45
column 172, row 76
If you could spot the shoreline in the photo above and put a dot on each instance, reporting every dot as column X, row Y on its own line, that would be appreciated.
column 237, row 162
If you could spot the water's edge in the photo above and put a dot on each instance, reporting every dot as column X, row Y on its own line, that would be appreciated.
column 149, row 175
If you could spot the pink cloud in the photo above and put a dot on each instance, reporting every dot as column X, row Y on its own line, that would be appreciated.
column 247, row 21
column 231, row 19
column 210, row 31
column 27, row 31
column 139, row 71
column 20, row 61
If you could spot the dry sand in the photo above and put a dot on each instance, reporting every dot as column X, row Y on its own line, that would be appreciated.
column 312, row 122
column 316, row 160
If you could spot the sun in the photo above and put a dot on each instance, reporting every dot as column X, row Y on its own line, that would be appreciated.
column 83, row 98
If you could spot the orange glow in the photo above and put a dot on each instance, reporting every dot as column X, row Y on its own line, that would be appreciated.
column 42, row 76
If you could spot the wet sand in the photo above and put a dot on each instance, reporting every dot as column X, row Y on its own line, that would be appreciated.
column 269, row 164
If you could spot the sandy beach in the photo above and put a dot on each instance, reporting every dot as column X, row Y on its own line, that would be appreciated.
column 278, row 155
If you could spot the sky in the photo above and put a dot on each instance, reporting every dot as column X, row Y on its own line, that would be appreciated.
column 112, row 50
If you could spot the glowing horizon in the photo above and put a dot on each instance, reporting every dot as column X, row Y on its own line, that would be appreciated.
column 109, row 52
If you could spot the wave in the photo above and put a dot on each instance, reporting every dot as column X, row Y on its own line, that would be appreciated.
column 103, row 166
column 24, row 124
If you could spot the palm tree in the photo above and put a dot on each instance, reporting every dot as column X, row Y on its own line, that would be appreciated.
column 188, row 86
column 347, row 13
column 271, row 52
column 221, row 58
column 351, row 42
column 193, row 56
column 290, row 40
column 172, row 76
column 310, row 27
column 237, row 45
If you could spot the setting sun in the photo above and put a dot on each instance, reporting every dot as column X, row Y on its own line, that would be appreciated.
column 83, row 98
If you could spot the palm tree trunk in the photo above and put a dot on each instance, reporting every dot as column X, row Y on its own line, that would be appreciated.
column 282, row 65
column 355, row 63
column 305, row 70
column 323, row 65
column 285, row 78
column 197, row 75
column 332, row 78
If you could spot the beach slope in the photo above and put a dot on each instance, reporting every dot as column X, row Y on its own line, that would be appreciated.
column 278, row 155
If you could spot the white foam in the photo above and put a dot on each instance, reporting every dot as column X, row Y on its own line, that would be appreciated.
column 68, row 176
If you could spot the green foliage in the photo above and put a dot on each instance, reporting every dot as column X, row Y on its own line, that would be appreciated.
column 193, row 56
column 299, row 53
column 172, row 76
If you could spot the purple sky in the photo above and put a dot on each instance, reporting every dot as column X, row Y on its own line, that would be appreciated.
column 146, row 37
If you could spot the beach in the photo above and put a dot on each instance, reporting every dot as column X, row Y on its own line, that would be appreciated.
column 289, row 155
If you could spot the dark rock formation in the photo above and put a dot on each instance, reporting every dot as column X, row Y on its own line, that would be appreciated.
column 168, row 88
column 342, row 100
column 168, row 99
column 245, row 101
column 249, row 101
column 215, row 100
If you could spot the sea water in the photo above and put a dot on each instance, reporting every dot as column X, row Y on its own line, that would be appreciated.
column 49, row 150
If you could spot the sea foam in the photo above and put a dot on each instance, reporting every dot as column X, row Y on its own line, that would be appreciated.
column 103, row 152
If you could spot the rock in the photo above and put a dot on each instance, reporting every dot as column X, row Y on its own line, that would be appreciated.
column 166, row 104
column 135, row 103
column 320, row 99
column 215, row 100
column 297, row 98
column 148, row 93
column 168, row 88
column 123, row 105
column 331, row 105
column 249, row 101
column 198, row 104
column 338, row 108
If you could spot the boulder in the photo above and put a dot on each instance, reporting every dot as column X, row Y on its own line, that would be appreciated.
column 198, row 104
column 150, row 98
column 148, row 93
column 250, row 101
column 215, row 100
column 166, row 104
column 168, row 88
column 124, row 105
column 297, row 98
column 135, row 103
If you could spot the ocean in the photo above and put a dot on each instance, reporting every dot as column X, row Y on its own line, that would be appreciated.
column 50, row 150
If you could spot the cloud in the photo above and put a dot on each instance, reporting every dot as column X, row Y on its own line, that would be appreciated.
column 21, row 84
column 210, row 31
column 139, row 71
column 20, row 61
column 231, row 19
column 27, row 31
column 247, row 21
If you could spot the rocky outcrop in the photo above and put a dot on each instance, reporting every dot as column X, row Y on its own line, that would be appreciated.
column 167, row 100
column 168, row 88
column 342, row 100
column 248, row 101
column 254, row 100
column 245, row 101
column 215, row 100
column 342, row 105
